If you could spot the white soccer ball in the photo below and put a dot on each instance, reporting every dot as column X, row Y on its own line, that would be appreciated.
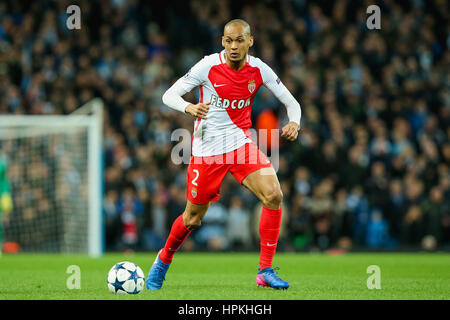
column 125, row 278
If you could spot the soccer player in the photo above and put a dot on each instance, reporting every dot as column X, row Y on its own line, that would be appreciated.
column 228, row 82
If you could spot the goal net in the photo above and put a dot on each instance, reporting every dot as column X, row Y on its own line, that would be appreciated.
column 53, row 167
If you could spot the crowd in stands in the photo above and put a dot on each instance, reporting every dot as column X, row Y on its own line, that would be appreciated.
column 371, row 166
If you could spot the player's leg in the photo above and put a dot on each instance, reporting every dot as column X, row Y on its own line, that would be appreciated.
column 203, row 185
column 257, row 174
column 254, row 170
column 180, row 230
column 264, row 184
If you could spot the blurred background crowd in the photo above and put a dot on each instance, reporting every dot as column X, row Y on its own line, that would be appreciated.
column 369, row 171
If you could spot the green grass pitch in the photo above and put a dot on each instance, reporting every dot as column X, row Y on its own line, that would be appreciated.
column 231, row 276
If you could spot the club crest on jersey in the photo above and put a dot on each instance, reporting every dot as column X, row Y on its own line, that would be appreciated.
column 251, row 85
column 194, row 192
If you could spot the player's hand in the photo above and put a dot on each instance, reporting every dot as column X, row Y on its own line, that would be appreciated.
column 198, row 110
column 290, row 131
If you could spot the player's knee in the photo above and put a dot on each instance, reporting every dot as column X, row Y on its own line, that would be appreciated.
column 273, row 198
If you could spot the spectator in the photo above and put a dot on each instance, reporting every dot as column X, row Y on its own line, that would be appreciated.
column 359, row 205
column 238, row 225
column 321, row 207
column 299, row 224
column 412, row 226
column 342, row 221
column 377, row 185
column 130, row 211
column 434, row 211
column 212, row 234
column 377, row 230
column 112, row 219
column 395, row 208
column 302, row 183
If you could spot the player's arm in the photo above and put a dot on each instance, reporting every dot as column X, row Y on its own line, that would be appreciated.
column 294, row 112
column 173, row 97
column 293, row 109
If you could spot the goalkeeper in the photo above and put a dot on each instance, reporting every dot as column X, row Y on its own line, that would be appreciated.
column 5, row 198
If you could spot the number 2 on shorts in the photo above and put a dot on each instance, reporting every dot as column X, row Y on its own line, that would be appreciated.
column 194, row 181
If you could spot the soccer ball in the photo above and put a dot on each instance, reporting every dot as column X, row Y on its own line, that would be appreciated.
column 125, row 278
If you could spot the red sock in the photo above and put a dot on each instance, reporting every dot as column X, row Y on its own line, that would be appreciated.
column 178, row 233
column 269, row 229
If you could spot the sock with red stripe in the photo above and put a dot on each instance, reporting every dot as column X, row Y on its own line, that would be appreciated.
column 269, row 230
column 178, row 233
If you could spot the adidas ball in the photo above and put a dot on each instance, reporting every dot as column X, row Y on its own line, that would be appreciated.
column 125, row 278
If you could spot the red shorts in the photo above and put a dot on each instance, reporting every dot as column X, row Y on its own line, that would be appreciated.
column 205, row 174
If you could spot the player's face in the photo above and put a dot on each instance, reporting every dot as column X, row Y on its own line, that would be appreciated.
column 236, row 42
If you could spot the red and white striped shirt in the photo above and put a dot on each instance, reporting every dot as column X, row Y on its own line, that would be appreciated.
column 231, row 93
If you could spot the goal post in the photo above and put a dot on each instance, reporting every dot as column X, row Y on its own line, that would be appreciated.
column 94, row 109
column 54, row 167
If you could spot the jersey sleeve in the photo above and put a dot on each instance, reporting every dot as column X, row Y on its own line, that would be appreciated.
column 270, row 79
column 272, row 82
column 195, row 77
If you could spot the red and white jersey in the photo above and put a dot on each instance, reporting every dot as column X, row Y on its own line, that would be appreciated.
column 231, row 93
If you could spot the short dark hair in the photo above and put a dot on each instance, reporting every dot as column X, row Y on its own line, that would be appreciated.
column 242, row 23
